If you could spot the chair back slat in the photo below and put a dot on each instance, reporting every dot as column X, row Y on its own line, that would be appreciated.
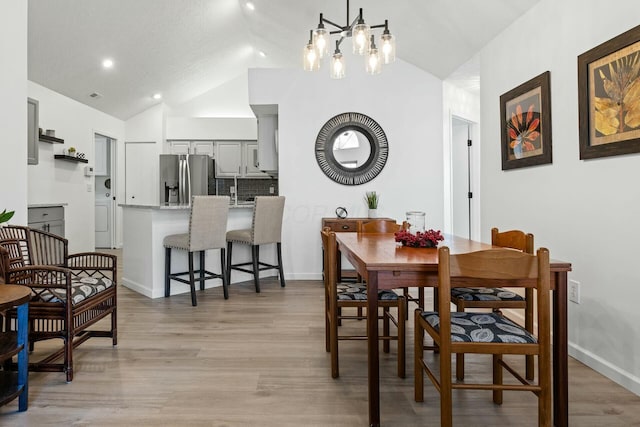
column 514, row 239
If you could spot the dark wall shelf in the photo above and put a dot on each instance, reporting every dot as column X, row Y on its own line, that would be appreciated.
column 69, row 158
column 50, row 139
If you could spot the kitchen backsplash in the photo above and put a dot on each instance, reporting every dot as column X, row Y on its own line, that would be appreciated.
column 248, row 188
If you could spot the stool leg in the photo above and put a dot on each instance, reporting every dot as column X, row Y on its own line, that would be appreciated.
column 255, row 257
column 201, row 270
column 192, row 281
column 229, row 250
column 167, row 272
column 225, row 278
column 280, row 269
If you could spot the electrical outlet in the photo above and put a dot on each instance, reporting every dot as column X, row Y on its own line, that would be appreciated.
column 272, row 190
column 232, row 189
column 574, row 291
column 89, row 188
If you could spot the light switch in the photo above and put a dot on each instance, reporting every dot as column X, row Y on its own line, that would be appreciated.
column 89, row 188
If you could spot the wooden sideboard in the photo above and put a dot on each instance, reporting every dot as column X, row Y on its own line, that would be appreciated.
column 345, row 225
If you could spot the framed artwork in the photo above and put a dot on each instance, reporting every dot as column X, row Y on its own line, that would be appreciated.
column 609, row 97
column 525, row 118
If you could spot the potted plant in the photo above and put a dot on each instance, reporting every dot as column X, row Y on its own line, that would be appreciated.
column 372, row 198
column 72, row 151
column 6, row 216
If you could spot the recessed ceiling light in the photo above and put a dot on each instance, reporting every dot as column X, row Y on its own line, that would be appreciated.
column 250, row 5
column 107, row 63
column 262, row 54
column 157, row 96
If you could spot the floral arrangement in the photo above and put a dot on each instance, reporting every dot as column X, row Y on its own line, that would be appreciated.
column 427, row 239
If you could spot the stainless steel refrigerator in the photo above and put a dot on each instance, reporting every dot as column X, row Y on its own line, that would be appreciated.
column 183, row 176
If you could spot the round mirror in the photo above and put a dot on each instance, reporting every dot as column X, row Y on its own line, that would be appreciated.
column 351, row 148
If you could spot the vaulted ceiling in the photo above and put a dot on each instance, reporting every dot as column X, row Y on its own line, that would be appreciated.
column 184, row 48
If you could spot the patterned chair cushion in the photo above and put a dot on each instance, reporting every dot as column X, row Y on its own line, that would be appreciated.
column 481, row 327
column 485, row 294
column 82, row 288
column 358, row 292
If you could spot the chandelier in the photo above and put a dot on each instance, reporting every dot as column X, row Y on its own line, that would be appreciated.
column 363, row 42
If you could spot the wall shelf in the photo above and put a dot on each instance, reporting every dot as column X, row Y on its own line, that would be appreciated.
column 69, row 158
column 50, row 139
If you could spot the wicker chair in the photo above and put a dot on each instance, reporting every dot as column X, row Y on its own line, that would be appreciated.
column 41, row 261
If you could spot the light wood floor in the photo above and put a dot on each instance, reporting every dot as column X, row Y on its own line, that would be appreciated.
column 259, row 360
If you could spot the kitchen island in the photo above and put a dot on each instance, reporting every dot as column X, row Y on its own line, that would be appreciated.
column 144, row 229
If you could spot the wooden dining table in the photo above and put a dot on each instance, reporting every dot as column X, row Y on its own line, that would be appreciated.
column 385, row 265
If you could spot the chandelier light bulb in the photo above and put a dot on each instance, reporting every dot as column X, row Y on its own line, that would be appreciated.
column 374, row 64
column 310, row 55
column 321, row 39
column 388, row 45
column 337, row 65
column 360, row 38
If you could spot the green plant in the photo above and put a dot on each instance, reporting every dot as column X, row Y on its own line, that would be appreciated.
column 6, row 216
column 371, row 199
column 72, row 149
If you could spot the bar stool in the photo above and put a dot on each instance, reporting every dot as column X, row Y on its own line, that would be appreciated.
column 266, row 228
column 207, row 230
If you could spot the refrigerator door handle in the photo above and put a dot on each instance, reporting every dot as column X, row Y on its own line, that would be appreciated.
column 188, row 181
column 180, row 181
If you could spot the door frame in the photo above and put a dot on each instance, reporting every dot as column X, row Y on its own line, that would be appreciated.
column 474, row 175
column 113, row 171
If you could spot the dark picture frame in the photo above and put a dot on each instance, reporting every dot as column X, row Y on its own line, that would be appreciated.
column 525, row 120
column 609, row 97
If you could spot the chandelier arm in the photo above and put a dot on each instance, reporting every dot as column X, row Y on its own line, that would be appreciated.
column 325, row 20
column 378, row 26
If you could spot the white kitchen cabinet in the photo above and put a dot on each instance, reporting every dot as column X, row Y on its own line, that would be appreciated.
column 191, row 147
column 141, row 173
column 237, row 158
column 228, row 159
column 49, row 219
column 268, row 142
column 251, row 169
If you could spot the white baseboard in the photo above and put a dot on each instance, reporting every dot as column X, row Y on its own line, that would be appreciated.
column 134, row 286
column 613, row 372
column 593, row 361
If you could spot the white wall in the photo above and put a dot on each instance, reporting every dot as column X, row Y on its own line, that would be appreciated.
column 211, row 128
column 405, row 101
column 585, row 212
column 13, row 109
column 58, row 181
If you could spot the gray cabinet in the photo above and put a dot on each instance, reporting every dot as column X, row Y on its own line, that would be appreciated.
column 32, row 131
column 49, row 219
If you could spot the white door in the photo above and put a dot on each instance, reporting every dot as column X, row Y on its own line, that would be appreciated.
column 228, row 159
column 103, row 223
column 141, row 173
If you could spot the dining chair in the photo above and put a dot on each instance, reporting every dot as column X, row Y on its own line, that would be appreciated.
column 207, row 230
column 391, row 226
column 497, row 298
column 486, row 333
column 339, row 295
column 266, row 228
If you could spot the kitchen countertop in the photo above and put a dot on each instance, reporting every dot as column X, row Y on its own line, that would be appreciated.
column 242, row 205
column 46, row 205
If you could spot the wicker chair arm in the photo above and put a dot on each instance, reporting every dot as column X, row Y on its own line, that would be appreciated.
column 41, row 278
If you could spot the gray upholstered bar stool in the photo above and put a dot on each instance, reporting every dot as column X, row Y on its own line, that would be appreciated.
column 207, row 230
column 266, row 228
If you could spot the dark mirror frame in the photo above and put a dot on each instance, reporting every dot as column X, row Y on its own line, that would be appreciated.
column 360, row 123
